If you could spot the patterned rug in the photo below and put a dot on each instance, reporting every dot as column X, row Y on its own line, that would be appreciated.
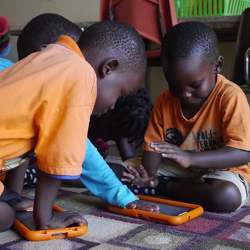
column 109, row 231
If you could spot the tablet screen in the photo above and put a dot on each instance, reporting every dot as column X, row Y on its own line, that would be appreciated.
column 167, row 209
column 27, row 219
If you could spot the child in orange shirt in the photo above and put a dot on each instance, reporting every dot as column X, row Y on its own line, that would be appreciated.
column 199, row 129
column 47, row 99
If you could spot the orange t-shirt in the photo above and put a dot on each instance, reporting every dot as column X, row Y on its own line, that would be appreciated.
column 223, row 120
column 46, row 101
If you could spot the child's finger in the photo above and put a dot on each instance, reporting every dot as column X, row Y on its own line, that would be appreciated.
column 164, row 147
column 170, row 156
column 160, row 144
column 155, row 208
column 128, row 175
column 138, row 205
column 153, row 183
column 166, row 150
column 151, row 208
column 74, row 220
column 167, row 155
column 132, row 205
column 134, row 171
column 126, row 180
column 142, row 171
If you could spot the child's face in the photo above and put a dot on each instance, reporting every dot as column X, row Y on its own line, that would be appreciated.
column 190, row 79
column 114, row 85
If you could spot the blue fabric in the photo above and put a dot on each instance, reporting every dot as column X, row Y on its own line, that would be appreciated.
column 5, row 63
column 64, row 177
column 59, row 177
column 100, row 179
column 5, row 51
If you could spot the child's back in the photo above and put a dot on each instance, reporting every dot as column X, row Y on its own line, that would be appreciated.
column 56, row 91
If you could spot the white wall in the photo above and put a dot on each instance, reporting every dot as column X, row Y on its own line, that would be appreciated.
column 19, row 12
column 157, row 82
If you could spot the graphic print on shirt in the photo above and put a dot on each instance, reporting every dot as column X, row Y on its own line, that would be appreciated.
column 203, row 140
column 173, row 136
column 207, row 140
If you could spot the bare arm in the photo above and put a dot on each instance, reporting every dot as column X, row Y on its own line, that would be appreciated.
column 15, row 178
column 221, row 158
column 225, row 157
column 126, row 150
column 151, row 162
column 46, row 192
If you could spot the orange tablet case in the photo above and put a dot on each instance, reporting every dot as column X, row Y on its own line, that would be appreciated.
column 50, row 234
column 193, row 211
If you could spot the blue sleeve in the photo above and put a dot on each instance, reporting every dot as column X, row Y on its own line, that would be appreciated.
column 5, row 63
column 100, row 179
column 59, row 177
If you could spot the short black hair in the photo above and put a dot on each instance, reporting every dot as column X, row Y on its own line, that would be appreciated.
column 131, row 115
column 44, row 29
column 121, row 38
column 190, row 38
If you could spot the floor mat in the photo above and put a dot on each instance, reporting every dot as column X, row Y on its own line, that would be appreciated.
column 109, row 231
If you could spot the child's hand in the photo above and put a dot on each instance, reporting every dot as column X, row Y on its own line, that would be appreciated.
column 138, row 176
column 141, row 205
column 174, row 153
column 25, row 205
column 17, row 201
column 65, row 219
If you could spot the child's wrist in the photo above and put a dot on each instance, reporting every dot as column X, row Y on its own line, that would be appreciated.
column 153, row 182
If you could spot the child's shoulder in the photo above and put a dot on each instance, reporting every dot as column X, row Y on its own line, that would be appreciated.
column 164, row 98
column 59, row 58
column 229, row 89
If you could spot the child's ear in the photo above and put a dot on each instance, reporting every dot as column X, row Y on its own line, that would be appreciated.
column 43, row 46
column 219, row 64
column 107, row 67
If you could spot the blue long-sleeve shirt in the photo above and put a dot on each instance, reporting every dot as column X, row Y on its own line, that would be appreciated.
column 100, row 179
column 5, row 63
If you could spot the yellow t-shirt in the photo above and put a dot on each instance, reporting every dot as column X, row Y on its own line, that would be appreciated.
column 223, row 120
column 46, row 101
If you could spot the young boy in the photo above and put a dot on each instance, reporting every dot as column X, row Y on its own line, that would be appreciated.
column 97, row 175
column 199, row 128
column 130, row 114
column 54, row 93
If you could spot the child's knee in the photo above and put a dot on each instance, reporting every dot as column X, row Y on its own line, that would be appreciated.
column 226, row 198
column 7, row 216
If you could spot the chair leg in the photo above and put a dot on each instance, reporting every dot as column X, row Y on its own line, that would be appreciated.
column 242, row 44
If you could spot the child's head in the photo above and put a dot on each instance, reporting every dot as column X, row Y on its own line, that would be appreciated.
column 129, row 119
column 42, row 30
column 191, row 61
column 131, row 115
column 117, row 54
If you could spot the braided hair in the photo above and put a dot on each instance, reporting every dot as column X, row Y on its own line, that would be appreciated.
column 131, row 115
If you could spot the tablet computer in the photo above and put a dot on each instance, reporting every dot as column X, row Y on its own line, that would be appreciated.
column 25, row 226
column 171, row 212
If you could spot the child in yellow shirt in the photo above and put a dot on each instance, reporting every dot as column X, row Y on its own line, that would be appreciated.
column 47, row 99
column 198, row 136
